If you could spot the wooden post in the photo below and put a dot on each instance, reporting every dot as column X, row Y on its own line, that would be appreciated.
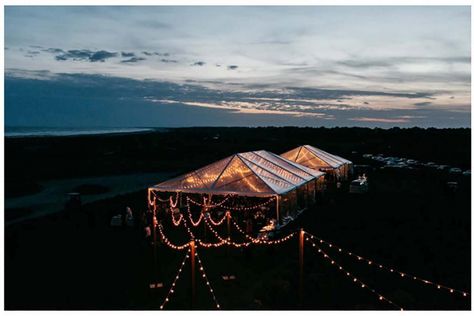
column 154, row 245
column 227, row 214
column 278, row 208
column 301, row 253
column 193, row 274
column 204, row 212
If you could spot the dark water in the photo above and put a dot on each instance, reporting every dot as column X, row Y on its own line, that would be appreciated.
column 71, row 131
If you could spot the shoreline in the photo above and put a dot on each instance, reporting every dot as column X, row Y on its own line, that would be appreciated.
column 53, row 197
column 49, row 132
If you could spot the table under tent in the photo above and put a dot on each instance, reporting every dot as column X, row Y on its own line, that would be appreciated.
column 257, row 187
column 336, row 168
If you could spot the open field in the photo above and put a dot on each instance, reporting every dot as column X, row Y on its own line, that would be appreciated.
column 408, row 220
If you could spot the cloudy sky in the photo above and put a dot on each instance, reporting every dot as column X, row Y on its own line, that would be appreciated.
column 231, row 66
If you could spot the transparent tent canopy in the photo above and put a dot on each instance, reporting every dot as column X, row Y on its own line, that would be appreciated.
column 256, row 173
column 315, row 158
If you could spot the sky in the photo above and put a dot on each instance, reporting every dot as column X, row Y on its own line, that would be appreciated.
column 238, row 66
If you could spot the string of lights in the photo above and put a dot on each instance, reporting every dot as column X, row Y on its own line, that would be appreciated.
column 150, row 202
column 211, row 245
column 259, row 240
column 221, row 204
column 204, row 276
column 355, row 279
column 168, row 243
column 175, row 203
column 219, row 222
column 190, row 233
column 194, row 223
column 173, row 285
column 209, row 205
column 176, row 222
column 250, row 208
column 252, row 240
column 389, row 269
column 156, row 197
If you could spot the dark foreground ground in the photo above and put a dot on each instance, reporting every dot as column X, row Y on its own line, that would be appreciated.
column 408, row 220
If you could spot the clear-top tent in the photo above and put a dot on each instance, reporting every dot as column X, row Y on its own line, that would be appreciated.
column 318, row 159
column 256, row 174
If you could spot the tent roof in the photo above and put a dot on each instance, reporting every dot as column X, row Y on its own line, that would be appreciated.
column 313, row 157
column 253, row 173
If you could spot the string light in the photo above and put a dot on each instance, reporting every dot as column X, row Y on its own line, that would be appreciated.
column 204, row 276
column 156, row 197
column 195, row 224
column 173, row 285
column 190, row 233
column 176, row 222
column 168, row 243
column 259, row 240
column 354, row 278
column 219, row 222
column 243, row 208
column 393, row 270
column 175, row 203
column 209, row 205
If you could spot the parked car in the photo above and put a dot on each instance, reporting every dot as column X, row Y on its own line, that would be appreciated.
column 455, row 171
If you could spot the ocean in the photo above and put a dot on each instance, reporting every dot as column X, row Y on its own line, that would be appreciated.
column 71, row 131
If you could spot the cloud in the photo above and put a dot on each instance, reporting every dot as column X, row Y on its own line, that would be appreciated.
column 32, row 53
column 198, row 63
column 125, row 54
column 101, row 56
column 164, row 60
column 388, row 62
column 422, row 103
column 140, row 103
column 379, row 120
column 82, row 55
column 53, row 50
column 133, row 60
column 232, row 67
column 147, row 53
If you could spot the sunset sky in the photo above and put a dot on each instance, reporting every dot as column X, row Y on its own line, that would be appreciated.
column 238, row 66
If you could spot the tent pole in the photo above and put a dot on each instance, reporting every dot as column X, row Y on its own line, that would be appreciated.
column 155, row 256
column 193, row 274
column 301, row 253
column 278, row 208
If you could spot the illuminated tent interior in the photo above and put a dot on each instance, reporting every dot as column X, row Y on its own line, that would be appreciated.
column 245, row 180
column 318, row 159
